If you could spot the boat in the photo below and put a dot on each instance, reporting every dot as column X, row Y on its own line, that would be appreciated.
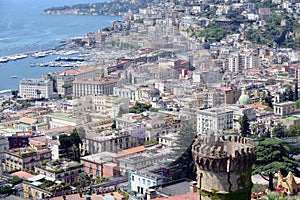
column 14, row 76
column 3, row 59
column 39, row 55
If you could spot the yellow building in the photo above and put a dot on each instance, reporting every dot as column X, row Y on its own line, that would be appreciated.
column 42, row 187
column 290, row 183
column 25, row 158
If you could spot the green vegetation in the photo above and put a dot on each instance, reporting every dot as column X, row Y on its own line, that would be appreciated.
column 244, row 126
column 218, row 195
column 293, row 130
column 214, row 32
column 274, row 155
column 258, row 188
column 280, row 29
column 266, row 4
column 140, row 21
column 279, row 131
column 236, row 17
column 6, row 190
column 57, row 165
column 150, row 142
column 124, row 194
column 298, row 103
column 184, row 166
column 140, row 107
column 67, row 85
column 15, row 180
column 72, row 142
column 27, row 152
column 104, row 8
column 84, row 180
column 124, row 45
column 100, row 180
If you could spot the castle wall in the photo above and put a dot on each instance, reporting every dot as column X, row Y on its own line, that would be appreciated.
column 224, row 167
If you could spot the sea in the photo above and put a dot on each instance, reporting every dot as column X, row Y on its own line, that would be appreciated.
column 23, row 28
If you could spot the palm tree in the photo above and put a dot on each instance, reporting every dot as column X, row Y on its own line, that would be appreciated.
column 38, row 93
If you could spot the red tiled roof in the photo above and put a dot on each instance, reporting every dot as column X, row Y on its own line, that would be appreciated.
column 22, row 174
column 27, row 120
column 130, row 151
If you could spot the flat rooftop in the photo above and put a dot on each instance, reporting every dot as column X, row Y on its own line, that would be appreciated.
column 99, row 157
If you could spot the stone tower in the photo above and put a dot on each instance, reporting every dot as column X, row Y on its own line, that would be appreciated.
column 224, row 167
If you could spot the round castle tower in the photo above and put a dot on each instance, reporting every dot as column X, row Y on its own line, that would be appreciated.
column 224, row 167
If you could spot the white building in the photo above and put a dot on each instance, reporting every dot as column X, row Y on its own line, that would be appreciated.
column 238, row 113
column 140, row 181
column 36, row 88
column 127, row 91
column 241, row 61
column 85, row 87
column 111, row 105
column 214, row 119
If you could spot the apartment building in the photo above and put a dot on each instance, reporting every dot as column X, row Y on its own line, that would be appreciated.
column 65, row 78
column 61, row 170
column 111, row 105
column 25, row 158
column 214, row 119
column 36, row 88
column 83, row 87
column 106, row 141
column 43, row 187
column 285, row 108
column 241, row 61
column 140, row 181
column 100, row 165
column 127, row 91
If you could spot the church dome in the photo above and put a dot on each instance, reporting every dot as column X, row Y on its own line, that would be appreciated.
column 244, row 99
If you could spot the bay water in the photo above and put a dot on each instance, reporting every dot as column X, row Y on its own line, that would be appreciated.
column 23, row 28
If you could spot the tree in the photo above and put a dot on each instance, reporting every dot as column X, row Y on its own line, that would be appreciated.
column 38, row 93
column 268, row 99
column 279, row 131
column 296, row 92
column 114, row 125
column 183, row 166
column 65, row 143
column 139, row 107
column 14, row 93
column 293, row 130
column 274, row 155
column 290, row 94
column 76, row 141
column 298, row 103
column 244, row 126
column 84, row 179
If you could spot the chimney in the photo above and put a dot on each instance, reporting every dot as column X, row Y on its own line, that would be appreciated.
column 151, row 194
column 193, row 187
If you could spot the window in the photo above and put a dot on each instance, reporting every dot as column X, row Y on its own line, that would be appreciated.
column 143, row 181
column 132, row 178
column 148, row 183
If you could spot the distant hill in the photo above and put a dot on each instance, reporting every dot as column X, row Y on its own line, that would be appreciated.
column 116, row 8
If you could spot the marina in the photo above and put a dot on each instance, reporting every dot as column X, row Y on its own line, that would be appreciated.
column 29, row 39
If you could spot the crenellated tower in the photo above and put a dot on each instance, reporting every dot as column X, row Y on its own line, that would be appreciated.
column 224, row 167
